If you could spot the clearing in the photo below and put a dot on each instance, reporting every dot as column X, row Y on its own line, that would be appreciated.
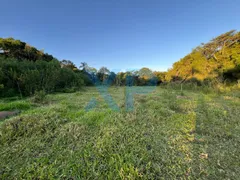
column 167, row 135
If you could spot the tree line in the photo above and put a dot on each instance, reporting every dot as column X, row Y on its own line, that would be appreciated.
column 25, row 70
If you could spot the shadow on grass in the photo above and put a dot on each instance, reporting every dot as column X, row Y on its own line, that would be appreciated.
column 216, row 154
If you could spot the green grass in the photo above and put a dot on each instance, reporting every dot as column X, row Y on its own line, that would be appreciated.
column 168, row 135
column 20, row 105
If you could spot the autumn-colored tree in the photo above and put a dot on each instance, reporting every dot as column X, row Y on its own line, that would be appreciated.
column 12, row 48
column 211, row 60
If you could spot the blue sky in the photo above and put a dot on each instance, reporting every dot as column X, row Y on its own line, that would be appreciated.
column 118, row 34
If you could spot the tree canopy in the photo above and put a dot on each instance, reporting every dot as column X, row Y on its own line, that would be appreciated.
column 219, row 58
column 25, row 69
column 17, row 49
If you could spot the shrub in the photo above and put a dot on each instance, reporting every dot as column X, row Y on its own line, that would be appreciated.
column 39, row 96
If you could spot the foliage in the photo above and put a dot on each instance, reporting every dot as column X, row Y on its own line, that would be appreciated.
column 68, row 64
column 39, row 96
column 27, row 77
column 25, row 70
column 15, row 105
column 218, row 58
column 22, row 51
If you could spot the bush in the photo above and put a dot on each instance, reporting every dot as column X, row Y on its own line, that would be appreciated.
column 39, row 96
column 27, row 77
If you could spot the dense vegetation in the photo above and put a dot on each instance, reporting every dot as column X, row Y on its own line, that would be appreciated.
column 25, row 70
column 220, row 58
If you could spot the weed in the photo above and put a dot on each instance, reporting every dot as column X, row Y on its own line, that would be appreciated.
column 39, row 97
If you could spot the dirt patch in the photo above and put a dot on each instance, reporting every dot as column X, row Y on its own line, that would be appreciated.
column 183, row 97
column 6, row 114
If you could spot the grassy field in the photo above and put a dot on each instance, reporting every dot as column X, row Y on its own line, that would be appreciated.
column 168, row 135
